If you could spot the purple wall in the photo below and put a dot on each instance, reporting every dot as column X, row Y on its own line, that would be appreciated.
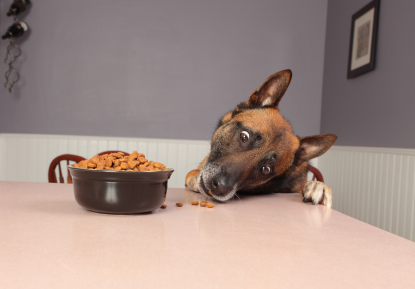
column 377, row 108
column 162, row 69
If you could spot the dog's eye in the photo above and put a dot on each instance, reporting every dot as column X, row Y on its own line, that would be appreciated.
column 244, row 136
column 265, row 170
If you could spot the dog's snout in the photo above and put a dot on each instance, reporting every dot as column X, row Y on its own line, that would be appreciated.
column 215, row 183
column 218, row 181
column 219, row 186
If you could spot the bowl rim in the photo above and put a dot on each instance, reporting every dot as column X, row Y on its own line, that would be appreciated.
column 121, row 171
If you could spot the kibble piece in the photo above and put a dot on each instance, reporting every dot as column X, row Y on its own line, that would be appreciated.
column 163, row 206
column 117, row 155
column 95, row 159
column 142, row 168
column 142, row 160
column 203, row 203
column 92, row 165
column 83, row 164
column 124, row 166
column 195, row 203
column 109, row 161
column 210, row 205
column 179, row 204
column 132, row 164
column 132, row 157
column 117, row 169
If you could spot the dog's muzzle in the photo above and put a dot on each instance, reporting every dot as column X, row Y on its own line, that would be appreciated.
column 215, row 181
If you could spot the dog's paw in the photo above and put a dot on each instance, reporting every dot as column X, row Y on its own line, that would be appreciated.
column 191, row 180
column 317, row 193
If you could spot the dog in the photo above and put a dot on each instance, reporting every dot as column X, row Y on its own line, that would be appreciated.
column 254, row 150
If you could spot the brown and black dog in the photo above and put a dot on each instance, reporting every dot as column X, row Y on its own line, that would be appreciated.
column 254, row 150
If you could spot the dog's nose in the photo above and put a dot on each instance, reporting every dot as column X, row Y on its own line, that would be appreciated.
column 218, row 185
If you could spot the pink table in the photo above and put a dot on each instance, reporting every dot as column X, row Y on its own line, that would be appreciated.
column 272, row 241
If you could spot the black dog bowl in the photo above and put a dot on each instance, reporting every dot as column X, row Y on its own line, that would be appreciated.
column 119, row 192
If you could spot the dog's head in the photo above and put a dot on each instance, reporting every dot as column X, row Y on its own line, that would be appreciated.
column 254, row 144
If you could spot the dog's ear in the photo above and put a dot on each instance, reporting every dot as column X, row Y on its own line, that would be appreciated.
column 314, row 146
column 272, row 90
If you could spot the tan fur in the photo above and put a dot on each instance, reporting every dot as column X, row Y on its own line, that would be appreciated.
column 254, row 149
column 191, row 177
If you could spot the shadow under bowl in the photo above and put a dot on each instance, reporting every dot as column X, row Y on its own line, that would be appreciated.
column 119, row 192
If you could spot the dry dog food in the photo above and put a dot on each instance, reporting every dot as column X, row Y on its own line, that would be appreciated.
column 163, row 206
column 121, row 162
column 195, row 203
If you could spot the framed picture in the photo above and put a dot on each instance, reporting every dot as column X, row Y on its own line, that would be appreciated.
column 363, row 36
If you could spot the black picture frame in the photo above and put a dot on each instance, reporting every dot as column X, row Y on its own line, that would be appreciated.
column 363, row 39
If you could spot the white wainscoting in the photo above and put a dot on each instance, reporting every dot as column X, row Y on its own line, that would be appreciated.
column 374, row 185
column 26, row 157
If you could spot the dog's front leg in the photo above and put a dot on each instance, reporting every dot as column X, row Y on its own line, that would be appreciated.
column 191, row 177
column 317, row 193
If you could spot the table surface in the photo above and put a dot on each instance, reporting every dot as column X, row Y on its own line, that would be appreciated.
column 48, row 241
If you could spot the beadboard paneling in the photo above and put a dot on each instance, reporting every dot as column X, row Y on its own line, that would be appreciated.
column 374, row 185
column 37, row 151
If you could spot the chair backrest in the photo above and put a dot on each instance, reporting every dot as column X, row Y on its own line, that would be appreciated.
column 109, row 152
column 57, row 163
column 317, row 176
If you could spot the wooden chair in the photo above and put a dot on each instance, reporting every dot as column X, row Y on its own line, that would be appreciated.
column 109, row 152
column 57, row 163
column 317, row 176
